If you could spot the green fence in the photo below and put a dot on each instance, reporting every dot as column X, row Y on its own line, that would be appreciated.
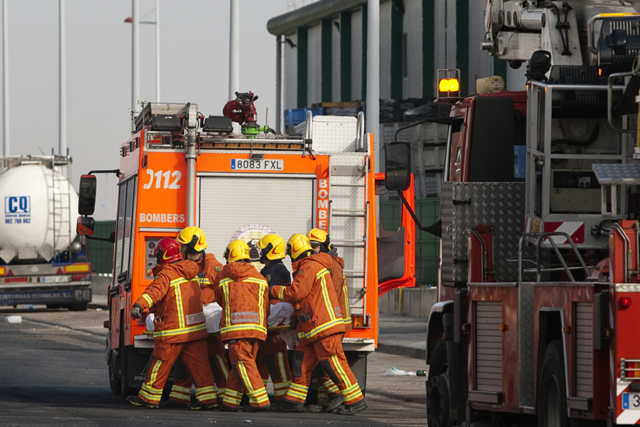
column 101, row 253
column 428, row 212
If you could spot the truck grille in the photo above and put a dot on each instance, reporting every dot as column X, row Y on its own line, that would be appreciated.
column 488, row 346
column 584, row 349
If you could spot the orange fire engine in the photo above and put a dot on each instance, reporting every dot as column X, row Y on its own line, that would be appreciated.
column 179, row 169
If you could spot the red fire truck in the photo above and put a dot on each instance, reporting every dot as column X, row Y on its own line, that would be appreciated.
column 180, row 169
column 538, row 299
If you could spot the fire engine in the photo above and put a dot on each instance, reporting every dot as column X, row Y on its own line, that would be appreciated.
column 180, row 169
column 537, row 319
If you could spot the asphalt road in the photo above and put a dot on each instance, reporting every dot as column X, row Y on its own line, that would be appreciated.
column 53, row 372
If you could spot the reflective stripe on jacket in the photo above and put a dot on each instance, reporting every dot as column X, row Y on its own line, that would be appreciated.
column 342, row 290
column 319, row 313
column 211, row 269
column 176, row 299
column 243, row 294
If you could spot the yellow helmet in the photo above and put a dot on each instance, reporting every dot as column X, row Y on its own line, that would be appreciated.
column 321, row 237
column 272, row 247
column 193, row 237
column 298, row 246
column 236, row 251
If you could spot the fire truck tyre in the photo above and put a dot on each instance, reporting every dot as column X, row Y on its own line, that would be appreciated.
column 439, row 364
column 114, row 381
column 552, row 389
column 439, row 412
column 78, row 306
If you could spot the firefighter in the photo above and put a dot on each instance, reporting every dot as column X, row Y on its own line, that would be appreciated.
column 208, row 267
column 180, row 329
column 243, row 294
column 320, row 242
column 320, row 328
column 273, row 359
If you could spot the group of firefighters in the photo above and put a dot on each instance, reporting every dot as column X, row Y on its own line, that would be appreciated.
column 186, row 279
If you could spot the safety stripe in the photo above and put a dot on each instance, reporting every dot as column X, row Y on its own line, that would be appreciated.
column 316, row 331
column 154, row 373
column 283, row 371
column 343, row 374
column 258, row 281
column 225, row 289
column 245, row 377
column 180, row 389
column 232, row 400
column 202, row 390
column 203, row 281
column 331, row 387
column 234, row 393
column 178, row 292
column 148, row 299
column 247, row 327
column 153, row 391
column 222, row 365
column 281, row 293
column 207, row 396
column 280, row 392
column 298, row 387
column 149, row 397
column 297, row 394
column 325, row 293
column 180, row 397
column 347, row 309
column 263, row 287
column 259, row 396
column 220, row 392
column 172, row 332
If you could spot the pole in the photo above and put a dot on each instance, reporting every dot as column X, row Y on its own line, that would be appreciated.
column 135, row 54
column 157, row 50
column 5, row 80
column 234, row 50
column 279, row 40
column 62, row 87
column 372, row 121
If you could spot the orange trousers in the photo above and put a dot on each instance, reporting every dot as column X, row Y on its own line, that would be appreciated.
column 328, row 354
column 245, row 377
column 328, row 389
column 194, row 355
column 181, row 390
column 273, row 361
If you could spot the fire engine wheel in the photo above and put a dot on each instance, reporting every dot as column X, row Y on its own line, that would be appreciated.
column 438, row 407
column 552, row 389
column 114, row 381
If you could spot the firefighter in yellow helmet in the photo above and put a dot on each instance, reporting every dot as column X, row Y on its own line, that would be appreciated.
column 243, row 294
column 193, row 244
column 320, row 328
column 273, row 359
column 320, row 242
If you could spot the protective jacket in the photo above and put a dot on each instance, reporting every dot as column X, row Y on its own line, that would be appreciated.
column 276, row 273
column 177, row 300
column 318, row 311
column 208, row 269
column 342, row 291
column 243, row 294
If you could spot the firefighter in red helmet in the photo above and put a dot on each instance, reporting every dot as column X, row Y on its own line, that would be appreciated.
column 180, row 329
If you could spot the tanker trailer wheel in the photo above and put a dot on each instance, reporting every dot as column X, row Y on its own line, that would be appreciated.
column 552, row 389
column 439, row 413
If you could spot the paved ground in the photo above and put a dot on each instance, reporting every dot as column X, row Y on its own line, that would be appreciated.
column 53, row 372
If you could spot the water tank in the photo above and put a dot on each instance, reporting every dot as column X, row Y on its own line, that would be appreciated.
column 39, row 213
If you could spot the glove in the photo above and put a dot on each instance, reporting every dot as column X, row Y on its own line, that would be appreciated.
column 293, row 322
column 135, row 311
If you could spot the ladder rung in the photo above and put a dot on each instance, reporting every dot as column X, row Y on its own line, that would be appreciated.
column 351, row 276
column 348, row 210
column 348, row 215
column 348, row 185
column 349, row 245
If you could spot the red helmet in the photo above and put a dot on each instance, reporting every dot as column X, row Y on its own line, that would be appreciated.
column 167, row 251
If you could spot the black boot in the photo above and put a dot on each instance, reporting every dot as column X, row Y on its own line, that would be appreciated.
column 249, row 408
column 286, row 406
column 352, row 409
column 136, row 401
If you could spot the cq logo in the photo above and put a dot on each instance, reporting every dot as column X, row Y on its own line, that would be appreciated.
column 17, row 204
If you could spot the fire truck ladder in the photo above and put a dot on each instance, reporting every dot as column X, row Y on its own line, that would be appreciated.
column 348, row 219
column 543, row 241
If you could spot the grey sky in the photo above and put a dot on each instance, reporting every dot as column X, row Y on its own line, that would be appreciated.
column 194, row 43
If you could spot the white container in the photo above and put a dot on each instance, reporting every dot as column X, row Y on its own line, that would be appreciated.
column 38, row 213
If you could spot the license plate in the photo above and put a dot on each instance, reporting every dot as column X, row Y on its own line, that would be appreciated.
column 56, row 279
column 631, row 401
column 257, row 165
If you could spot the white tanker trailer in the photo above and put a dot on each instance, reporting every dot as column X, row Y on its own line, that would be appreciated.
column 41, row 261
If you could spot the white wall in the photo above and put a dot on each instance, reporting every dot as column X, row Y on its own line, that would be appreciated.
column 412, row 84
column 290, row 73
column 314, row 76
